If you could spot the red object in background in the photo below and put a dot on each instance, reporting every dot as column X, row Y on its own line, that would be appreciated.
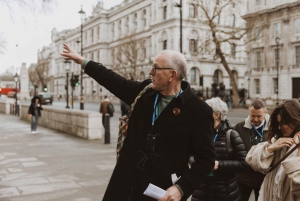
column 4, row 91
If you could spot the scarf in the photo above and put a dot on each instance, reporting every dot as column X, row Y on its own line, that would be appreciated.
column 279, row 172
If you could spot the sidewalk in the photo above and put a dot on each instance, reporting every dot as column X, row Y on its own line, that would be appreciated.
column 51, row 165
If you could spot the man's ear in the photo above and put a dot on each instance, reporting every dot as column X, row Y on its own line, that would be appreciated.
column 174, row 75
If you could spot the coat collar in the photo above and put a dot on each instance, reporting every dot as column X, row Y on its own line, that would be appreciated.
column 249, row 126
column 183, row 97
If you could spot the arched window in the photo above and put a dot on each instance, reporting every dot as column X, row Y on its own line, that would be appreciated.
column 193, row 75
column 217, row 78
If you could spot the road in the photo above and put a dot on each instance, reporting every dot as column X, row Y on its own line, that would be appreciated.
column 54, row 166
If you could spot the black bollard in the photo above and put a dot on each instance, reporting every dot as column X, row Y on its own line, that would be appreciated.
column 107, row 129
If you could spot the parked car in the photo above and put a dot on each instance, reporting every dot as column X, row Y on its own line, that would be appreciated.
column 46, row 98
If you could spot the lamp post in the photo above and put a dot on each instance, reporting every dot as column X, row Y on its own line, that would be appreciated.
column 16, row 94
column 82, row 16
column 67, row 66
column 180, row 7
column 277, row 40
column 248, row 87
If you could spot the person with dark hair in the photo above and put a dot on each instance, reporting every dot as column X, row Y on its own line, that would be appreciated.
column 34, row 112
column 283, row 183
column 252, row 130
column 221, row 183
column 103, row 108
column 168, row 124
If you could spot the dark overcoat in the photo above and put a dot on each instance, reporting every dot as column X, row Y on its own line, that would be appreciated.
column 152, row 153
column 31, row 107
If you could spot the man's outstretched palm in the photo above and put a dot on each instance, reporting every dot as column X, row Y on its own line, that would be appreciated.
column 70, row 54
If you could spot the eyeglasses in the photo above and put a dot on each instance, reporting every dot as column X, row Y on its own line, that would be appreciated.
column 157, row 68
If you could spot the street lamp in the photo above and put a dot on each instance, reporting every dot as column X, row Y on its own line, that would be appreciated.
column 277, row 40
column 180, row 6
column 82, row 16
column 16, row 80
column 248, row 87
column 67, row 66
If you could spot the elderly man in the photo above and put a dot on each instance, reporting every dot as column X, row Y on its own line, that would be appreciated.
column 252, row 130
column 167, row 125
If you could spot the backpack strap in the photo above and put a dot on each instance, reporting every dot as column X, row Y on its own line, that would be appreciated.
column 137, row 98
column 229, row 146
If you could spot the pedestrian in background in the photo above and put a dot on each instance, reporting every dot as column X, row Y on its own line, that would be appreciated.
column 252, row 130
column 283, row 183
column 221, row 184
column 124, row 108
column 103, row 108
column 34, row 112
column 168, row 124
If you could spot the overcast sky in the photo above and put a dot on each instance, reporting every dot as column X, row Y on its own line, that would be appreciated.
column 26, row 32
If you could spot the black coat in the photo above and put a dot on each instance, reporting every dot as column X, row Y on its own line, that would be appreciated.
column 177, row 136
column 223, row 185
column 31, row 107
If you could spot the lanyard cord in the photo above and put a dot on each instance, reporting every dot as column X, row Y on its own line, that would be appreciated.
column 215, row 138
column 262, row 131
column 155, row 112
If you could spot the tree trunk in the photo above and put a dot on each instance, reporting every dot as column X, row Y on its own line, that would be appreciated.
column 235, row 95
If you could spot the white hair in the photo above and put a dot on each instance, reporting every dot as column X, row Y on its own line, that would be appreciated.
column 218, row 106
column 175, row 60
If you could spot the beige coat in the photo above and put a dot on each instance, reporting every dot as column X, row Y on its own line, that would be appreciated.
column 283, row 183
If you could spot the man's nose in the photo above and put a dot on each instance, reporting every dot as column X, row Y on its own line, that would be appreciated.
column 151, row 72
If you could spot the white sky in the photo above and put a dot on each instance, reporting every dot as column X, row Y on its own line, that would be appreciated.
column 31, row 32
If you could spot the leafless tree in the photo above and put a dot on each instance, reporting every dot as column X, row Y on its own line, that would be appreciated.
column 128, row 55
column 211, row 13
column 33, row 6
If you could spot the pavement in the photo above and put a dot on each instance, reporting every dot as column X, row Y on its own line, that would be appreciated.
column 52, row 165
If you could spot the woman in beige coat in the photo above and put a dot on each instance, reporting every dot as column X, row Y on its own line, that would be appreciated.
column 283, row 183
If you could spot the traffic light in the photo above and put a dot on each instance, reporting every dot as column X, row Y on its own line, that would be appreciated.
column 45, row 88
column 72, row 81
column 76, row 80
column 36, row 88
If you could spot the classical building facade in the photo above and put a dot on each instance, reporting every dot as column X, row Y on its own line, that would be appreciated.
column 149, row 26
column 274, row 50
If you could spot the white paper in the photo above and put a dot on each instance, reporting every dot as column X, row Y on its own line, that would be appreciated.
column 154, row 192
column 174, row 178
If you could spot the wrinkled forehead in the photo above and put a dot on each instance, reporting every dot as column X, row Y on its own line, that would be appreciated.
column 257, row 112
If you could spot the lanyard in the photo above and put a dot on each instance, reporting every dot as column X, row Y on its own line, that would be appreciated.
column 262, row 131
column 155, row 112
column 215, row 138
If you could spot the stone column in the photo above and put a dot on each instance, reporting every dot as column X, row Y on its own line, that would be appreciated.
column 24, row 83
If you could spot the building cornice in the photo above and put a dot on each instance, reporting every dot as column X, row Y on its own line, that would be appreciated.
column 272, row 10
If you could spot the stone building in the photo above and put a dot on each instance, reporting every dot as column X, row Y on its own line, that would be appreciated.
column 274, row 50
column 153, row 25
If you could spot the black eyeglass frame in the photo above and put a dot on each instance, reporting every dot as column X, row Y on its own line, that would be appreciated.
column 158, row 68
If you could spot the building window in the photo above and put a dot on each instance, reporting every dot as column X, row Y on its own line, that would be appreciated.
column 275, row 85
column 277, row 56
column 193, row 75
column 192, row 11
column 233, row 49
column 144, row 18
column 165, row 44
column 92, row 36
column 193, row 46
column 297, row 51
column 277, row 29
column 258, row 34
column 165, row 12
column 297, row 26
column 258, row 59
column 257, row 86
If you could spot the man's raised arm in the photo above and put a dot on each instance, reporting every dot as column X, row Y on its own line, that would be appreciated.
column 70, row 54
